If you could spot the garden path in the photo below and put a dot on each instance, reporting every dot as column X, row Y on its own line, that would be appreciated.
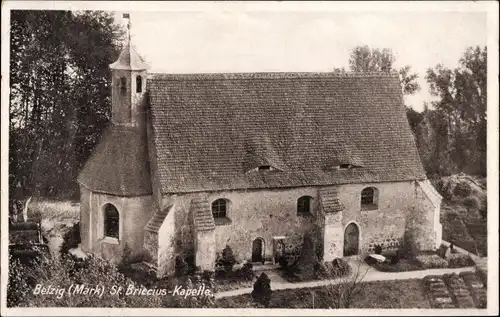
column 277, row 282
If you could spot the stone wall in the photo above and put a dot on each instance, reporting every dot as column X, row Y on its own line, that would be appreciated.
column 166, row 245
column 270, row 213
column 134, row 213
column 384, row 225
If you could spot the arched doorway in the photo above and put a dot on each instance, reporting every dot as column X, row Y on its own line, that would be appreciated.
column 351, row 239
column 258, row 250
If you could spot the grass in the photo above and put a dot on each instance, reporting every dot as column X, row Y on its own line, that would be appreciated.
column 379, row 294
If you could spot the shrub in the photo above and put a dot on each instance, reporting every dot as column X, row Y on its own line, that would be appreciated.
column 431, row 261
column 456, row 260
column 71, row 239
column 180, row 266
column 471, row 202
column 307, row 258
column 339, row 268
column 262, row 290
column 394, row 259
column 378, row 249
column 247, row 271
column 228, row 259
column 462, row 190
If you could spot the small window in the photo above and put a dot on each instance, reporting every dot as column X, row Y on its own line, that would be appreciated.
column 264, row 168
column 369, row 198
column 219, row 208
column 111, row 221
column 138, row 84
column 123, row 85
column 344, row 166
column 304, row 205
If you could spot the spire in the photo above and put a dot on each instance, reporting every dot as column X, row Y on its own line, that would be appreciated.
column 129, row 59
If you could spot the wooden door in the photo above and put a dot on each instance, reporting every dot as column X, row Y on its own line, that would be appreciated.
column 351, row 240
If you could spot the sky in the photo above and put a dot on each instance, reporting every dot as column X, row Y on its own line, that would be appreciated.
column 301, row 41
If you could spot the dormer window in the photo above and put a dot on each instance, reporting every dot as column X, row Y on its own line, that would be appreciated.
column 264, row 168
column 344, row 166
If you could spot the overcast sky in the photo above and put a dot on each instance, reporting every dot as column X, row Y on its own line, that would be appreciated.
column 309, row 41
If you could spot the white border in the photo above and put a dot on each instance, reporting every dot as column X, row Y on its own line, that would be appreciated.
column 491, row 7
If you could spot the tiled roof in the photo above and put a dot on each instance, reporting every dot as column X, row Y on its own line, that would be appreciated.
column 119, row 164
column 156, row 221
column 202, row 215
column 210, row 129
column 129, row 59
column 330, row 201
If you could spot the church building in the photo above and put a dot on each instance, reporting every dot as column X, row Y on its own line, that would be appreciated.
column 192, row 163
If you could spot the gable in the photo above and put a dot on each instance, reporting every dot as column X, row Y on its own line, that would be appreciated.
column 211, row 129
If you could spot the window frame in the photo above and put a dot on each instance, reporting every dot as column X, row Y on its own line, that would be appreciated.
column 107, row 209
column 369, row 198
column 218, row 204
column 304, row 205
column 138, row 84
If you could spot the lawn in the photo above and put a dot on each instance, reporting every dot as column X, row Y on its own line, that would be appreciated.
column 380, row 294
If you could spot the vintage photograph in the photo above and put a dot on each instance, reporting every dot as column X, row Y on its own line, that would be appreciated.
column 224, row 158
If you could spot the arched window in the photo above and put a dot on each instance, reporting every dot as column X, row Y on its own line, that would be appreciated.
column 138, row 84
column 369, row 198
column 219, row 208
column 111, row 221
column 123, row 85
column 304, row 205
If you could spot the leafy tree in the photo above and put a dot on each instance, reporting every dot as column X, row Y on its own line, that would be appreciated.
column 462, row 107
column 60, row 95
column 365, row 59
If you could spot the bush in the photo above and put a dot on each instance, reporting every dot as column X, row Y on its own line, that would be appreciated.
column 228, row 259
column 462, row 190
column 339, row 268
column 394, row 259
column 307, row 258
column 262, row 290
column 456, row 260
column 71, row 239
column 378, row 249
column 431, row 261
column 471, row 202
column 181, row 266
column 246, row 272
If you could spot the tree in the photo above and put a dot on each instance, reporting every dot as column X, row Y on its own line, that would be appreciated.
column 262, row 290
column 364, row 59
column 344, row 291
column 60, row 96
column 462, row 97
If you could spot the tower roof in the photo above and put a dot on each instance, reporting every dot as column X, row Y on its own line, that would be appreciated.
column 129, row 59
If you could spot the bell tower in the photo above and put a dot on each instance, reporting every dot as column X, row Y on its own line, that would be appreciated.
column 129, row 80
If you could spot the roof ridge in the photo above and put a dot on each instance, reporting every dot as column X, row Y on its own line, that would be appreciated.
column 269, row 75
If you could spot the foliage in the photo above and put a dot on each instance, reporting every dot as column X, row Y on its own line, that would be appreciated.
column 262, row 290
column 59, row 95
column 61, row 274
column 71, row 239
column 472, row 202
column 331, row 270
column 378, row 249
column 307, row 258
column 180, row 266
column 365, row 59
column 456, row 260
column 228, row 260
column 462, row 189
column 431, row 261
column 452, row 135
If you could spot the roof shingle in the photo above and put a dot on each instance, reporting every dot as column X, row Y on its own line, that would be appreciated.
column 210, row 129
